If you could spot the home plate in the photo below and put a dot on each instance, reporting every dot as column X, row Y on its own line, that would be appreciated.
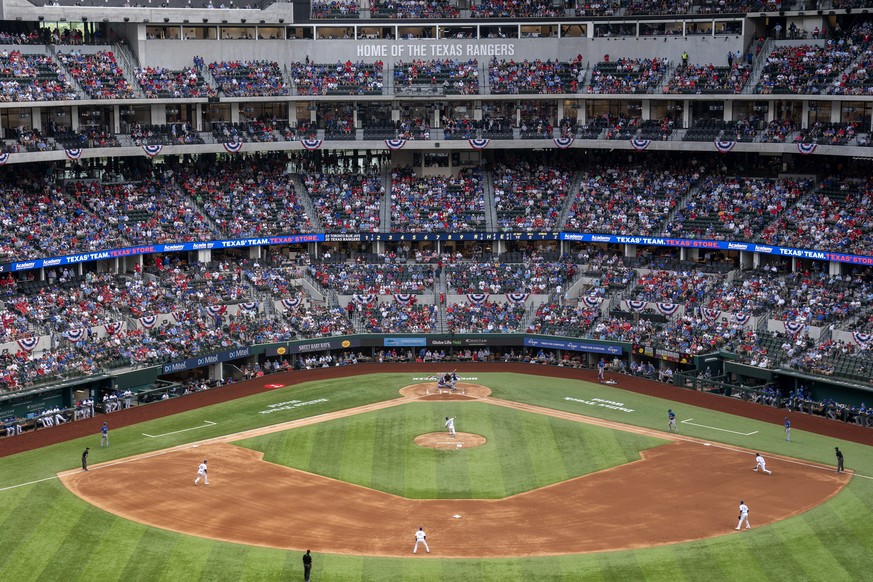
column 456, row 516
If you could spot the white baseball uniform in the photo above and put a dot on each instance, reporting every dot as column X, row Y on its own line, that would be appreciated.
column 450, row 424
column 744, row 516
column 420, row 538
column 761, row 464
column 201, row 472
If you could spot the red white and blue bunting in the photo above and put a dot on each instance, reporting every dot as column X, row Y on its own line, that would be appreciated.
column 563, row 142
column 477, row 298
column 248, row 306
column 724, row 146
column 667, row 309
column 862, row 339
column 637, row 306
column 74, row 335
column 478, row 144
column 517, row 298
column 806, row 148
column 232, row 147
column 152, row 150
column 113, row 327
column 794, row 327
column 711, row 314
column 74, row 153
column 395, row 144
column 217, row 309
column 28, row 343
column 742, row 318
column 592, row 301
column 148, row 321
column 180, row 315
column 311, row 144
column 404, row 298
column 291, row 303
column 640, row 144
column 364, row 298
column 4, row 157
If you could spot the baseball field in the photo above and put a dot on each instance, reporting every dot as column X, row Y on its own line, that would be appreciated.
column 556, row 478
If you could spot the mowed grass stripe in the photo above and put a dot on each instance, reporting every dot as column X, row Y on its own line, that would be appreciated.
column 421, row 465
column 149, row 559
column 358, row 452
column 817, row 561
column 266, row 565
column 453, row 478
column 486, row 479
column 105, row 552
column 31, row 509
column 620, row 567
column 516, row 467
column 547, row 453
column 389, row 471
column 53, row 525
column 187, row 559
column 67, row 562
column 225, row 562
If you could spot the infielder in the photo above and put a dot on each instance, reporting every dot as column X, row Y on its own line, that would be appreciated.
column 671, row 421
column 450, row 425
column 201, row 472
column 744, row 515
column 420, row 538
column 761, row 464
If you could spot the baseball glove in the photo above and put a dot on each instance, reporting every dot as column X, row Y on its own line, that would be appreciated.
column 739, row 517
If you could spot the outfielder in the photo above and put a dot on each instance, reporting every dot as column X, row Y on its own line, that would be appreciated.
column 201, row 472
column 744, row 515
column 787, row 430
column 420, row 538
column 760, row 463
column 450, row 425
column 671, row 421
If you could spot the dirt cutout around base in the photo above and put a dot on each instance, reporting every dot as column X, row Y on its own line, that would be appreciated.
column 443, row 440
column 429, row 391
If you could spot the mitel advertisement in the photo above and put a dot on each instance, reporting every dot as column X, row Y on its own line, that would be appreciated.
column 572, row 345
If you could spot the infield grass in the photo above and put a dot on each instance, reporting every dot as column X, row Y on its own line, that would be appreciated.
column 48, row 534
column 523, row 451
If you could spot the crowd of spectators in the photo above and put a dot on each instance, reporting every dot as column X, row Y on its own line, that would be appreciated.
column 736, row 208
column 701, row 79
column 551, row 318
column 394, row 317
column 627, row 76
column 537, row 76
column 805, row 69
column 754, row 293
column 249, row 78
column 99, row 75
column 529, row 196
column 346, row 202
column 486, row 317
column 639, row 7
column 838, row 133
column 340, row 78
column 817, row 298
column 836, row 217
column 333, row 9
column 685, row 287
column 623, row 200
column 159, row 82
column 535, row 276
column 454, row 77
column 437, row 203
column 246, row 199
column 515, row 9
column 382, row 279
column 414, row 9
column 32, row 78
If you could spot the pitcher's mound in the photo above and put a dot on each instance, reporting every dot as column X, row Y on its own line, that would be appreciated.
column 429, row 391
column 442, row 440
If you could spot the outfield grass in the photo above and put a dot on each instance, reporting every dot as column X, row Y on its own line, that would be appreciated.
column 523, row 451
column 49, row 534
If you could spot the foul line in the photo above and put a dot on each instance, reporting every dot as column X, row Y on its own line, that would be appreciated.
column 716, row 428
column 207, row 424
